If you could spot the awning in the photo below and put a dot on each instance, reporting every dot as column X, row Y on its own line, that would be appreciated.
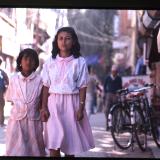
column 119, row 44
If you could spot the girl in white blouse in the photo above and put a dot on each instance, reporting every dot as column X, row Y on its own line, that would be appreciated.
column 24, row 130
column 65, row 79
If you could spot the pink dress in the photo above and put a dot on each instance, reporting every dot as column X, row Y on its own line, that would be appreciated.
column 24, row 136
column 64, row 77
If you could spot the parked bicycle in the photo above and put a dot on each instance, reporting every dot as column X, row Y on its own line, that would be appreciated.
column 133, row 118
column 152, row 120
column 119, row 121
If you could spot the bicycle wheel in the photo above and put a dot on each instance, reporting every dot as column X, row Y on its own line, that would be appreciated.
column 155, row 126
column 140, row 128
column 121, row 129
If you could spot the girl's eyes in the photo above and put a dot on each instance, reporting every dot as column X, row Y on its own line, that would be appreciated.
column 28, row 59
column 66, row 38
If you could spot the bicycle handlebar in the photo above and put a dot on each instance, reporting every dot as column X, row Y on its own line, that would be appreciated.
column 126, row 91
column 123, row 91
column 146, row 86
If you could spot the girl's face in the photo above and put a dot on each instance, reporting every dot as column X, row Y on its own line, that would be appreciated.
column 65, row 41
column 27, row 63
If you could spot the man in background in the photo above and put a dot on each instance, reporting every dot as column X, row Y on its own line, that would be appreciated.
column 4, row 81
column 113, row 82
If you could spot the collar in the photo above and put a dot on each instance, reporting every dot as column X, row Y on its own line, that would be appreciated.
column 31, row 76
column 113, row 77
column 66, row 59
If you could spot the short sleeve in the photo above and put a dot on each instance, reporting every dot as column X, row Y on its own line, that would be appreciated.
column 83, row 76
column 45, row 75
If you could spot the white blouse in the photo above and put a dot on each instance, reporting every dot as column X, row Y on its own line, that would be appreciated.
column 65, row 75
column 24, row 93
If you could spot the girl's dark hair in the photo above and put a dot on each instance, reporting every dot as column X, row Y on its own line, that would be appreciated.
column 0, row 60
column 75, row 51
column 89, row 68
column 28, row 52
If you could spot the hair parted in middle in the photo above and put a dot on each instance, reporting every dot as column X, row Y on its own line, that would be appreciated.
column 28, row 52
column 75, row 50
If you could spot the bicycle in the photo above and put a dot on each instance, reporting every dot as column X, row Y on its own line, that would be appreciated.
column 152, row 121
column 119, row 121
column 132, row 118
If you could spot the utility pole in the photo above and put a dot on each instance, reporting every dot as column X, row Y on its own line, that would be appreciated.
column 133, row 39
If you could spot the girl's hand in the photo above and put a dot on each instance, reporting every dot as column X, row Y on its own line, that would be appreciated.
column 79, row 114
column 44, row 114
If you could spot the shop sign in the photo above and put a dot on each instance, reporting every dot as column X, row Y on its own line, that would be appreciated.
column 133, row 82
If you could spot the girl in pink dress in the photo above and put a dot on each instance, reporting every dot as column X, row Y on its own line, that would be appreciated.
column 65, row 79
column 24, row 130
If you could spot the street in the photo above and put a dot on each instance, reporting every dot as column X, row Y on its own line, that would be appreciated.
column 105, row 146
column 104, row 143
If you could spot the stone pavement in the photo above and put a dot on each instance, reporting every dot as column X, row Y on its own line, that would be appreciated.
column 104, row 145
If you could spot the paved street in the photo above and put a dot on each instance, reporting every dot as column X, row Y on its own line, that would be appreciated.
column 103, row 140
column 105, row 145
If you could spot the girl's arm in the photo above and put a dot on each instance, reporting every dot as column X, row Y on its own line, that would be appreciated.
column 82, row 98
column 45, row 97
column 44, row 108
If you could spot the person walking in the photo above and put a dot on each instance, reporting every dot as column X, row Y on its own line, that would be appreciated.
column 113, row 82
column 140, row 68
column 4, row 81
column 91, row 94
column 65, row 79
column 24, row 135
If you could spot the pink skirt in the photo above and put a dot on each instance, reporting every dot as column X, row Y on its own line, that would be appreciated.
column 24, row 138
column 62, row 130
